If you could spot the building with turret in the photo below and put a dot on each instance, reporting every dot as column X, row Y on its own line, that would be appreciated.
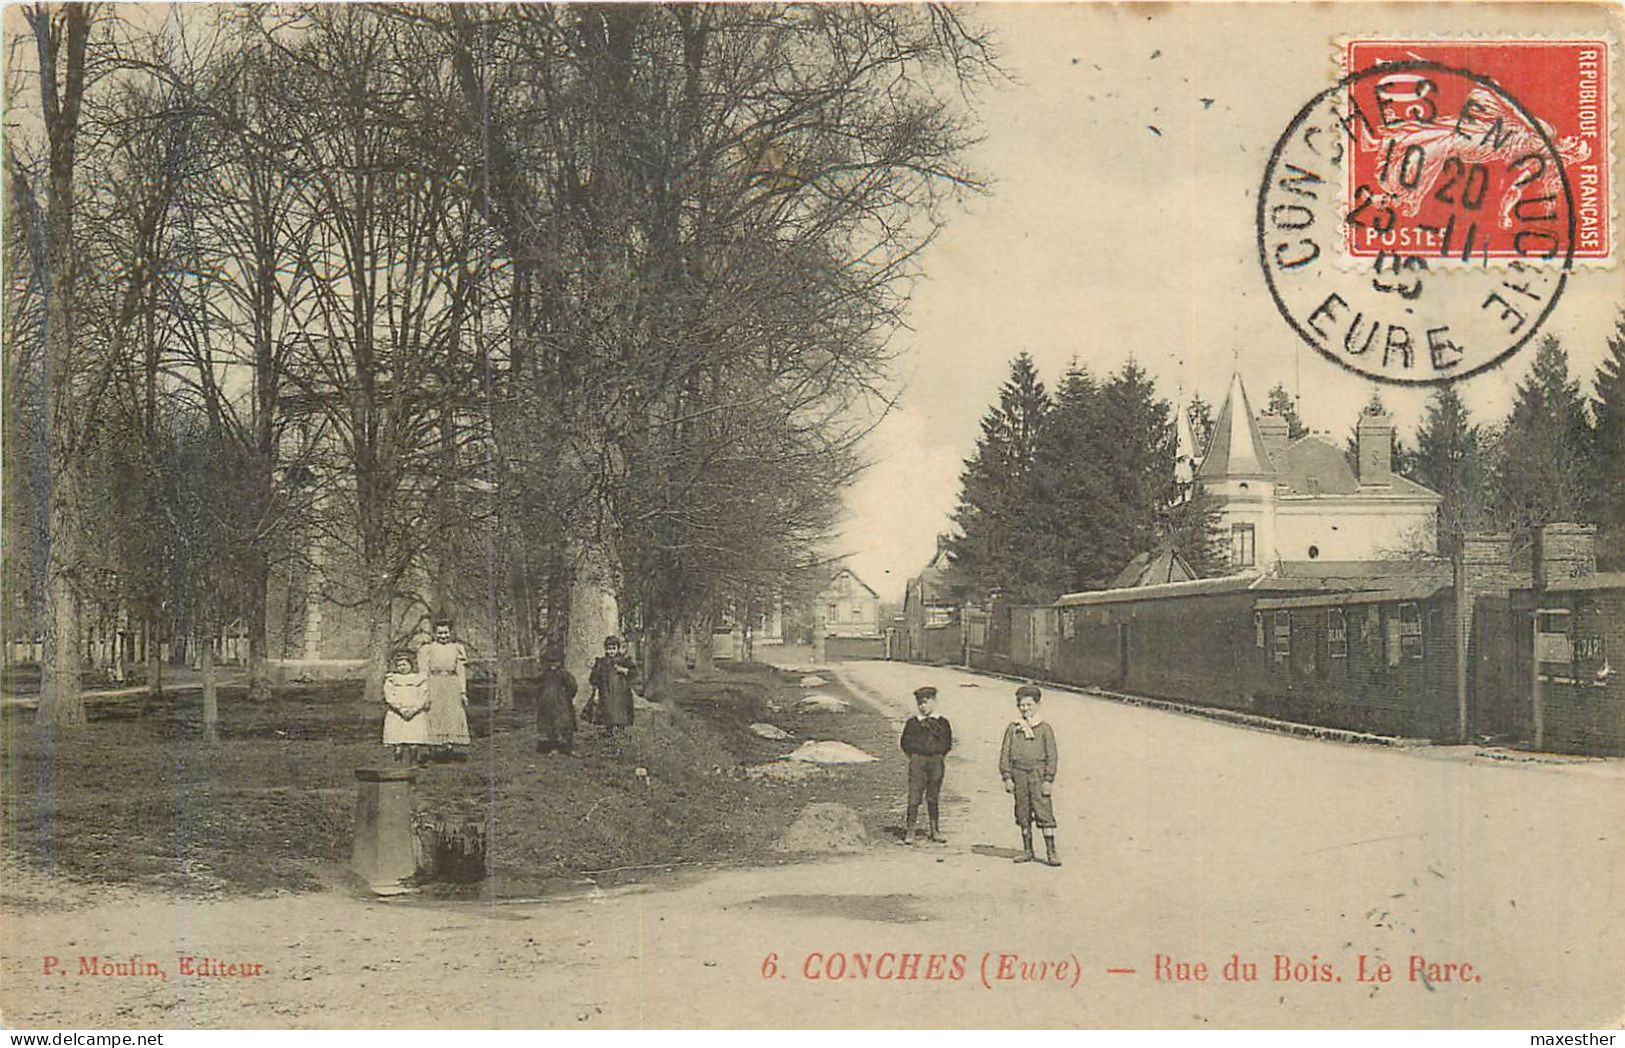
column 1290, row 501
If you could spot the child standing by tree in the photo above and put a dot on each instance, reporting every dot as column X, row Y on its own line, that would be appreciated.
column 612, row 679
column 555, row 708
column 1027, row 763
column 927, row 738
column 406, row 716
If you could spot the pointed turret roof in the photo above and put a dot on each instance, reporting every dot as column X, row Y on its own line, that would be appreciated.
column 1235, row 449
column 1154, row 569
column 1185, row 455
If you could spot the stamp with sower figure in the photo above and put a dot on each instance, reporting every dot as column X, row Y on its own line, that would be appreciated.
column 1418, row 219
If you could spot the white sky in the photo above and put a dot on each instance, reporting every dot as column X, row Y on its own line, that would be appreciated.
column 1104, row 240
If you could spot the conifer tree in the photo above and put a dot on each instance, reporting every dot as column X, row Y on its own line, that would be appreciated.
column 1199, row 413
column 1450, row 460
column 1139, row 461
column 1608, row 407
column 1069, row 481
column 1546, row 468
column 997, row 503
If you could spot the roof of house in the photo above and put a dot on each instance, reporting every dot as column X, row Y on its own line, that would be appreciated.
column 1309, row 466
column 1192, row 588
column 933, row 586
column 849, row 571
column 1313, row 465
column 1356, row 574
column 1414, row 590
column 1312, row 583
column 1152, row 568
column 932, row 581
column 1235, row 448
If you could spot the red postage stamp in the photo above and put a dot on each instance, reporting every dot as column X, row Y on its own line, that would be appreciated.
column 1511, row 161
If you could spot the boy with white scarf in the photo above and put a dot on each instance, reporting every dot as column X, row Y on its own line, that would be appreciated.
column 1027, row 763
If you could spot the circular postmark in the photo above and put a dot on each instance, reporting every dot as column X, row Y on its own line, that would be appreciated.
column 1415, row 223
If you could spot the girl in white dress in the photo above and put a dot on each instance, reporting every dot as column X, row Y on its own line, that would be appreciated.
column 406, row 709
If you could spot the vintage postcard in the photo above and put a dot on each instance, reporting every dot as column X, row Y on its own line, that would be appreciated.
column 716, row 516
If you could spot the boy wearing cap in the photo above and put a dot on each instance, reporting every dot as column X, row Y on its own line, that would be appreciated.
column 927, row 738
column 1027, row 763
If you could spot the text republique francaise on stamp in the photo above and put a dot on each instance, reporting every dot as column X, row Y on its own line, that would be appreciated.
column 1417, row 220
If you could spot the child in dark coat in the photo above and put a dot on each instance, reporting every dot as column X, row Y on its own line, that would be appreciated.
column 555, row 709
column 1027, row 763
column 927, row 738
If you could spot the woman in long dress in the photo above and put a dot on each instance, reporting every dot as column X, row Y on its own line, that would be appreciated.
column 445, row 663
column 612, row 679
column 406, row 709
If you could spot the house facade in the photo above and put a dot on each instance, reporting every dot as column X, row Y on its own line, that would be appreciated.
column 846, row 607
column 1288, row 501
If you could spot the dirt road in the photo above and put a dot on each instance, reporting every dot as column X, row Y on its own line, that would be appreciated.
column 1182, row 838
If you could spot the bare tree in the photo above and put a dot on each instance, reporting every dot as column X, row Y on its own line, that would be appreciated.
column 387, row 260
column 763, row 181
column 62, row 38
column 528, row 280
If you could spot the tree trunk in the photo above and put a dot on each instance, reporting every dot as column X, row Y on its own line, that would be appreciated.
column 61, row 703
column 502, row 638
column 155, row 663
column 259, row 669
column 500, row 571
column 658, row 672
column 61, row 36
column 593, row 612
column 378, row 643
column 560, row 579
column 211, row 704
column 704, row 645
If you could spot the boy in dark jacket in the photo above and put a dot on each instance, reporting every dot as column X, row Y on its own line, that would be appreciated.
column 1027, row 763
column 927, row 738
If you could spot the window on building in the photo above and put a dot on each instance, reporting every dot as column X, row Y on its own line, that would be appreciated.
column 1554, row 644
column 832, row 613
column 1282, row 651
column 1410, row 631
column 938, row 616
column 857, row 613
column 1258, row 629
column 1337, row 634
column 1243, row 552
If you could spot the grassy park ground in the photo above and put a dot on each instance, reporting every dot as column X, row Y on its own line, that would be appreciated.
column 139, row 798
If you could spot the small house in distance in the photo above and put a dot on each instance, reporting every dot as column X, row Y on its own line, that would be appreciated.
column 847, row 607
column 931, row 613
column 846, row 618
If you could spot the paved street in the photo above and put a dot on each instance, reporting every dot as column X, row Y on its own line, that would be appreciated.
column 1181, row 837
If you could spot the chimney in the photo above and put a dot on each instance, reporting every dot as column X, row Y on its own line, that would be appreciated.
column 1375, row 437
column 1564, row 551
column 1273, row 430
column 1487, row 564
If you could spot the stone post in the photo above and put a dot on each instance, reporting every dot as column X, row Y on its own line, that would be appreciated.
column 383, row 855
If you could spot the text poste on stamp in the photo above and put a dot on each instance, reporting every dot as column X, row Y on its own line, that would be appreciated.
column 1417, row 220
